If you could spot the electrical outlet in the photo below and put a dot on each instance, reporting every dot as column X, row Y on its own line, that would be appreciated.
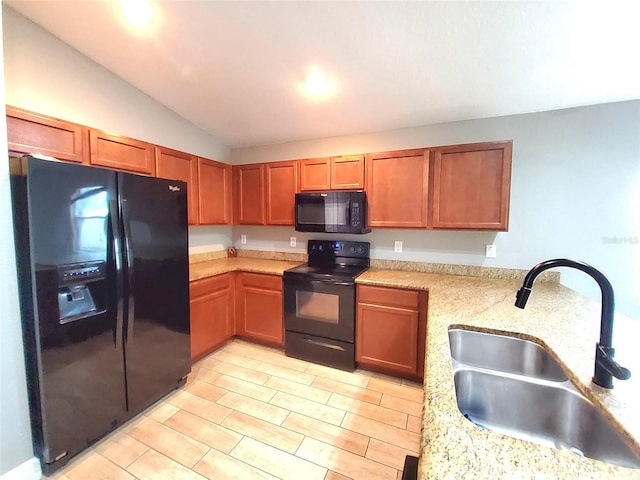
column 243, row 239
column 491, row 251
column 292, row 242
column 397, row 246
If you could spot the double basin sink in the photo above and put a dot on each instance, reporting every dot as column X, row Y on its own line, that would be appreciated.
column 515, row 387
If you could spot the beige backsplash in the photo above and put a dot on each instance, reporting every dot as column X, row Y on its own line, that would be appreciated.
column 449, row 269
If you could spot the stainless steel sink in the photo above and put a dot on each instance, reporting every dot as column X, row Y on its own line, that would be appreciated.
column 508, row 385
column 504, row 353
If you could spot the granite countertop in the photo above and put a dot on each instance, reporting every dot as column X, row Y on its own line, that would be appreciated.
column 557, row 317
column 219, row 266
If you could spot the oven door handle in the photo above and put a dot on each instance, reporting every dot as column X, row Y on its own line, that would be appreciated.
column 332, row 282
column 323, row 344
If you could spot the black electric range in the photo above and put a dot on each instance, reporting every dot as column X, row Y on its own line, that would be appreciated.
column 319, row 302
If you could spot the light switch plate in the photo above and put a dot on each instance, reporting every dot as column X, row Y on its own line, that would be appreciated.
column 491, row 251
column 292, row 242
column 243, row 239
column 397, row 246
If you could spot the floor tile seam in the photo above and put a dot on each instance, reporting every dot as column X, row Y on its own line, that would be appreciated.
column 276, row 361
column 315, row 419
column 240, row 411
column 346, row 451
column 157, row 452
column 370, row 436
column 369, row 404
column 253, row 438
column 349, row 385
column 277, row 448
column 220, row 425
column 181, row 434
column 100, row 455
column 406, row 417
column 204, row 418
column 293, row 373
column 234, row 391
column 231, row 374
column 415, row 452
column 304, row 398
column 344, row 412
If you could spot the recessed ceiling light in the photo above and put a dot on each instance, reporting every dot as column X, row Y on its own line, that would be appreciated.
column 137, row 12
column 318, row 85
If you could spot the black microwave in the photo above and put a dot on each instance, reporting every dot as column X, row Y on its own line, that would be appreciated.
column 332, row 212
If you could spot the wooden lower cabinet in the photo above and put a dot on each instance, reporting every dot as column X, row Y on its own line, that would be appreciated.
column 259, row 308
column 212, row 313
column 391, row 327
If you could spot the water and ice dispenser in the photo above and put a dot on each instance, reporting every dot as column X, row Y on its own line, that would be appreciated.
column 81, row 290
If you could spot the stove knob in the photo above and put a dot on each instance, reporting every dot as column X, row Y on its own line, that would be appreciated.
column 353, row 249
column 360, row 250
column 320, row 247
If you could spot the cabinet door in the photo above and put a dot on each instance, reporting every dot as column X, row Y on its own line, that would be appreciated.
column 315, row 174
column 282, row 185
column 471, row 186
column 214, row 192
column 212, row 312
column 391, row 330
column 249, row 191
column 397, row 188
column 259, row 308
column 29, row 132
column 386, row 337
column 347, row 172
column 121, row 153
column 175, row 165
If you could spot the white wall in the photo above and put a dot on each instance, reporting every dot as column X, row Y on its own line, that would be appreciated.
column 45, row 75
column 575, row 187
column 15, row 433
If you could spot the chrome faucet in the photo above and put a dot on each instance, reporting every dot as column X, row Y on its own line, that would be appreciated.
column 605, row 366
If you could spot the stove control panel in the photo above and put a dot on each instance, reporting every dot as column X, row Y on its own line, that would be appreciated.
column 338, row 248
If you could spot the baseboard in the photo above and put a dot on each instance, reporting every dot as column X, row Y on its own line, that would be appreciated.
column 29, row 470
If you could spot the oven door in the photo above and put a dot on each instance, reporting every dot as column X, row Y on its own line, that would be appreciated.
column 324, row 308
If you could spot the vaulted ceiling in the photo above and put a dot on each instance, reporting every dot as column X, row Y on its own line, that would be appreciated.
column 235, row 68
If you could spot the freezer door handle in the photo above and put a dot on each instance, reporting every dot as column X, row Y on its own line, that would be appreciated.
column 117, row 255
column 130, row 273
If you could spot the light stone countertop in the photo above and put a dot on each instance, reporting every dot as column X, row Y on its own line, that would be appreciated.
column 563, row 320
column 211, row 268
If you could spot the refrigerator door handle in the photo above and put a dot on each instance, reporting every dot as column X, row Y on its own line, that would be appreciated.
column 130, row 274
column 117, row 255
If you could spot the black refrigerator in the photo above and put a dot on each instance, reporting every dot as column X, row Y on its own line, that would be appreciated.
column 104, row 293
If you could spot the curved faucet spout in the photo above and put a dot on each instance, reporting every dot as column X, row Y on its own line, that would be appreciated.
column 605, row 366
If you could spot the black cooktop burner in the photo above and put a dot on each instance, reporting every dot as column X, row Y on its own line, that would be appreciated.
column 332, row 260
column 335, row 272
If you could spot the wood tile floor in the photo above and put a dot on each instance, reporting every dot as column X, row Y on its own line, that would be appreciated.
column 250, row 412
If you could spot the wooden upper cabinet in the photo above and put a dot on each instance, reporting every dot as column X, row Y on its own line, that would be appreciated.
column 471, row 186
column 29, row 132
column 347, row 172
column 249, row 194
column 121, row 153
column 174, row 165
column 397, row 188
column 281, row 187
column 335, row 173
column 214, row 192
column 315, row 174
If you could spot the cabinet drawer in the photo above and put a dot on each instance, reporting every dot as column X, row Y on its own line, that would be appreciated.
column 388, row 296
column 258, row 280
column 209, row 285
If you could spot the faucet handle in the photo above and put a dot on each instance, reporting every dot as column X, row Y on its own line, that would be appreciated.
column 606, row 367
